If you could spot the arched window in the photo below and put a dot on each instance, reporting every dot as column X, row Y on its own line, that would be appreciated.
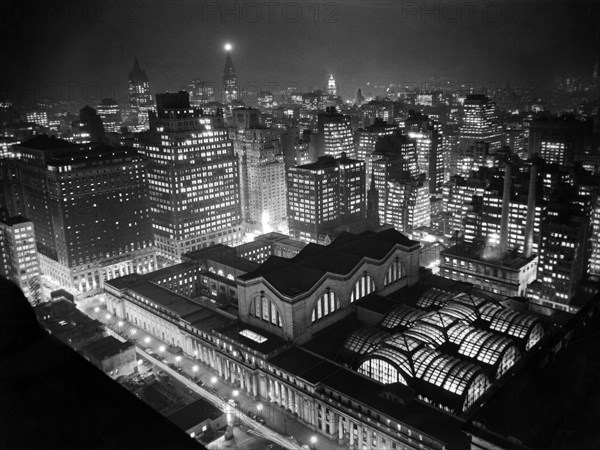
column 327, row 303
column 211, row 269
column 364, row 286
column 220, row 273
column 394, row 272
column 229, row 276
column 264, row 308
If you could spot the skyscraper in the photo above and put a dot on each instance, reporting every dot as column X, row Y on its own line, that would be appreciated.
column 324, row 195
column 140, row 101
column 230, row 81
column 430, row 158
column 480, row 123
column 110, row 115
column 262, row 180
column 18, row 255
column 367, row 138
column 193, row 178
column 331, row 86
column 89, row 205
column 335, row 133
column 201, row 92
column 557, row 140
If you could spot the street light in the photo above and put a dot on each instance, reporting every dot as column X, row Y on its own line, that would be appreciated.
column 213, row 380
column 236, row 393
column 96, row 309
column 120, row 323
column 162, row 348
column 108, row 317
column 147, row 339
column 178, row 358
column 313, row 441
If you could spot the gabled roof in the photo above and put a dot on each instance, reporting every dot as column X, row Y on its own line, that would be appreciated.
column 299, row 274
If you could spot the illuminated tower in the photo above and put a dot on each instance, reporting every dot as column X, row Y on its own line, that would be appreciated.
column 230, row 82
column 331, row 87
column 193, row 178
column 140, row 100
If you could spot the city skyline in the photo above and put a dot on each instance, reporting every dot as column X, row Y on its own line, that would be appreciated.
column 362, row 225
column 492, row 44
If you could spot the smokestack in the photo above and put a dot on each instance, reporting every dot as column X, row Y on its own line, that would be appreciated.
column 528, row 245
column 505, row 208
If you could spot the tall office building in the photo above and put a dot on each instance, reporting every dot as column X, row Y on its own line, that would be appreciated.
column 407, row 205
column 193, row 178
column 18, row 255
column 88, row 128
column 335, row 133
column 367, row 138
column 557, row 140
column 564, row 250
column 140, row 101
column 324, row 195
column 89, row 205
column 430, row 157
column 262, row 180
column 331, row 86
column 230, row 81
column 394, row 160
column 110, row 114
column 480, row 123
column 201, row 92
column 38, row 117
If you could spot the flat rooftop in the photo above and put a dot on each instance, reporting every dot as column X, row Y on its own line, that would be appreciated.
column 479, row 253
column 106, row 347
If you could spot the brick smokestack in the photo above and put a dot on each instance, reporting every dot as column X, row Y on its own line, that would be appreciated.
column 528, row 245
column 505, row 208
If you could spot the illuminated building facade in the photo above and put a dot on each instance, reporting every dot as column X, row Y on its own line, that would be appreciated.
column 193, row 178
column 230, row 82
column 90, row 209
column 265, row 101
column 367, row 138
column 394, row 161
column 402, row 352
column 18, row 256
column 110, row 114
column 262, row 180
column 335, row 133
column 407, row 205
column 557, row 140
column 139, row 103
column 201, row 92
column 480, row 123
column 430, row 157
column 331, row 86
column 323, row 195
column 563, row 260
column 38, row 117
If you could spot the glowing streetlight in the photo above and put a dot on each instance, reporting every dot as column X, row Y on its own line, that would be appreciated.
column 147, row 339
column 195, row 369
column 178, row 358
column 120, row 323
column 108, row 317
column 228, row 47
column 133, row 332
column 259, row 407
column 162, row 348
column 96, row 309
column 236, row 393
column 213, row 380
column 313, row 441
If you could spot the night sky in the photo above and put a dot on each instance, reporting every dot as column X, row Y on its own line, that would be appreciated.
column 88, row 44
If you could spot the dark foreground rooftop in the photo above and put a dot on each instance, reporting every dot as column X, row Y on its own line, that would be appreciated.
column 51, row 398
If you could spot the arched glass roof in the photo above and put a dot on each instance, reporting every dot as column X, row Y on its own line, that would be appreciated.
column 511, row 322
column 401, row 316
column 364, row 340
column 460, row 311
column 434, row 296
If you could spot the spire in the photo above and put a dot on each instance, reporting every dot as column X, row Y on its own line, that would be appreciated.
column 229, row 69
column 137, row 74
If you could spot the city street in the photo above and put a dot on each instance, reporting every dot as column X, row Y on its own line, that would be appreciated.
column 279, row 426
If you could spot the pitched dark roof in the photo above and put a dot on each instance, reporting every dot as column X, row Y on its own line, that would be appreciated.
column 299, row 274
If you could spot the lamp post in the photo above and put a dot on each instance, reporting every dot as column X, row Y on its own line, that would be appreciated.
column 313, row 442
column 195, row 370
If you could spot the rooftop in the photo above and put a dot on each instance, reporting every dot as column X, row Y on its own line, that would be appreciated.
column 194, row 413
column 106, row 347
column 299, row 274
column 479, row 253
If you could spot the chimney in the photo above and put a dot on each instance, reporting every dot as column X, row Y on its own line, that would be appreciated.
column 528, row 245
column 505, row 209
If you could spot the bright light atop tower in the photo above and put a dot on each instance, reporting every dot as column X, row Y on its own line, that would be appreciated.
column 228, row 47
